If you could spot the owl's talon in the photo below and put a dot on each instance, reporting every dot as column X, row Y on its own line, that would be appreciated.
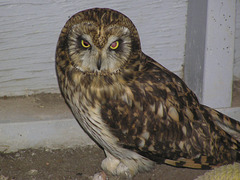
column 100, row 176
column 113, row 166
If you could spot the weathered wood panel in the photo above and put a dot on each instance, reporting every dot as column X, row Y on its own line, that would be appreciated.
column 29, row 31
column 219, row 53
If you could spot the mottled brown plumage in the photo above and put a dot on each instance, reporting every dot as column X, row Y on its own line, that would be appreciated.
column 135, row 109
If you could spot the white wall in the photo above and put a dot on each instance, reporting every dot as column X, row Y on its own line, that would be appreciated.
column 29, row 31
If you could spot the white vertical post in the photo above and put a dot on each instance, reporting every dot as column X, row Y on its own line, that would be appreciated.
column 195, row 46
column 219, row 53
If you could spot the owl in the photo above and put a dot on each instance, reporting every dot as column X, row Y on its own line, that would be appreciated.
column 138, row 111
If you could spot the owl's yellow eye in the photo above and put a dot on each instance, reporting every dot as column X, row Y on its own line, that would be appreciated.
column 114, row 45
column 85, row 44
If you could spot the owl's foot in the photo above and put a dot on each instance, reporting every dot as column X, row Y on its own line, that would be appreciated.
column 115, row 167
column 100, row 176
column 126, row 168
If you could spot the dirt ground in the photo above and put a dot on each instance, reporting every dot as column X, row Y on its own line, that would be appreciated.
column 73, row 164
column 78, row 163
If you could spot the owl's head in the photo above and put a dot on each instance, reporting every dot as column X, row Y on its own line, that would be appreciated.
column 98, row 40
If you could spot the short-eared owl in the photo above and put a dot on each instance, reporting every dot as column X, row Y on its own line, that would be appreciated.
column 139, row 112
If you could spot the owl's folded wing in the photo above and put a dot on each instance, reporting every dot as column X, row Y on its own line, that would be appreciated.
column 161, row 119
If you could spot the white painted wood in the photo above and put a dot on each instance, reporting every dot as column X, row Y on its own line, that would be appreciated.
column 195, row 46
column 236, row 67
column 30, row 29
column 219, row 53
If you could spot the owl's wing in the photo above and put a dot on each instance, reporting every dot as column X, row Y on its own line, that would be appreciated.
column 160, row 118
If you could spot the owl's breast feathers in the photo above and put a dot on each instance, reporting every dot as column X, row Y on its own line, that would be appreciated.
column 154, row 114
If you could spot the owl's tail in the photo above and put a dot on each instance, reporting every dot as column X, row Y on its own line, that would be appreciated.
column 229, row 125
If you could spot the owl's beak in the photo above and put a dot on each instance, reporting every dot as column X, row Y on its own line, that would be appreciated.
column 99, row 63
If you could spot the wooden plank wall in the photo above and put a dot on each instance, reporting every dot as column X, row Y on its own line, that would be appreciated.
column 29, row 31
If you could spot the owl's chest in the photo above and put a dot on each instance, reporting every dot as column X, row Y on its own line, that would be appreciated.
column 89, row 93
column 86, row 105
column 88, row 96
